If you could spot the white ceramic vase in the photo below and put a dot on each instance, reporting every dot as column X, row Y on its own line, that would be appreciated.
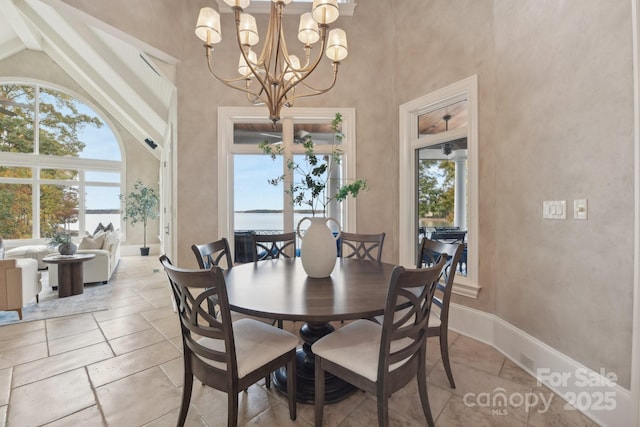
column 318, row 249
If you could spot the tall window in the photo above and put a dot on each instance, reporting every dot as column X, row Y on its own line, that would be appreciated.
column 439, row 178
column 60, row 164
column 248, row 201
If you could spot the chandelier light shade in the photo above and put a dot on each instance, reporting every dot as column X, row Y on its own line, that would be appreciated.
column 275, row 77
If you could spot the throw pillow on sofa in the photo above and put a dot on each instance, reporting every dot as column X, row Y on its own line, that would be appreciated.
column 92, row 243
column 100, row 227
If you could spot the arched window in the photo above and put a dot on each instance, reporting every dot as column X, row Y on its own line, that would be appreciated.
column 60, row 164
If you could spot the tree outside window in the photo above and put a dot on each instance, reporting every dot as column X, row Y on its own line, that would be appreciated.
column 37, row 121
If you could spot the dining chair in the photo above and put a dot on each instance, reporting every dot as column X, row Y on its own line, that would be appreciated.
column 271, row 246
column 361, row 246
column 218, row 254
column 430, row 253
column 213, row 253
column 381, row 359
column 225, row 355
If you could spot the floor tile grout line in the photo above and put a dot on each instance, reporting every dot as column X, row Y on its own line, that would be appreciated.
column 95, row 396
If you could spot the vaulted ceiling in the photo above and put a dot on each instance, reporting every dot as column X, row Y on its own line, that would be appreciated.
column 130, row 80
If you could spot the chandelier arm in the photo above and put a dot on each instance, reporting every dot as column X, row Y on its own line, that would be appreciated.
column 230, row 82
column 216, row 76
column 264, row 91
column 321, row 91
column 283, row 99
column 315, row 91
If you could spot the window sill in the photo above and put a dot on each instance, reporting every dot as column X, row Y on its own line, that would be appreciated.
column 465, row 287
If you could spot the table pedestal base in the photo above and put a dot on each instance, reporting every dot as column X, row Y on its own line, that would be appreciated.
column 70, row 279
column 335, row 388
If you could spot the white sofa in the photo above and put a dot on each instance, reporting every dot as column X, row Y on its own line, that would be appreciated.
column 36, row 252
column 106, row 248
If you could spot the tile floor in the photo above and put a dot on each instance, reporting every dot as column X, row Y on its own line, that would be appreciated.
column 123, row 367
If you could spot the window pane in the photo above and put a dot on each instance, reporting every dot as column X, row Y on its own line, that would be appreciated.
column 448, row 118
column 16, row 215
column 16, row 118
column 58, row 209
column 436, row 193
column 258, row 205
column 100, row 142
column 320, row 203
column 15, row 172
column 113, row 177
column 320, row 133
column 61, row 174
column 69, row 128
column 102, row 205
column 255, row 133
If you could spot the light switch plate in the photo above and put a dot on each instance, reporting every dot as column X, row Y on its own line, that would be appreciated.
column 580, row 209
column 554, row 209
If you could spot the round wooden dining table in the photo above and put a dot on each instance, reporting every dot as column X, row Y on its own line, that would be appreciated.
column 280, row 289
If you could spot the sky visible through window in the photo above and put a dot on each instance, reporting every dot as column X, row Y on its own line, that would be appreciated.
column 251, row 187
column 101, row 144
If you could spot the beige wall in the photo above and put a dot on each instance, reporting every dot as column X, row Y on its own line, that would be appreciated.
column 564, row 131
column 555, row 121
column 40, row 68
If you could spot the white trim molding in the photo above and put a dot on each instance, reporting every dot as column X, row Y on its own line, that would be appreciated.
column 227, row 116
column 635, row 348
column 409, row 142
column 593, row 393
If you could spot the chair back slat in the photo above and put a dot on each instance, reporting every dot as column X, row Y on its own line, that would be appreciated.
column 361, row 246
column 404, row 338
column 192, row 290
column 216, row 253
column 430, row 253
column 272, row 246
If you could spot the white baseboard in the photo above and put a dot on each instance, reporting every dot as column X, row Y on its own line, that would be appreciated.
column 595, row 395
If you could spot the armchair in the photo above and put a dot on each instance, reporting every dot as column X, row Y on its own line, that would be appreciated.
column 19, row 283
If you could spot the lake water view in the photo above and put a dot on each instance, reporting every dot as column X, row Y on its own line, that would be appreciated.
column 272, row 221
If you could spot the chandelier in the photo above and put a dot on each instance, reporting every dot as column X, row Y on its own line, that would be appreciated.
column 276, row 78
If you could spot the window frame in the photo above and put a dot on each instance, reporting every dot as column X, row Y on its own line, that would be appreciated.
column 37, row 162
column 409, row 143
column 227, row 116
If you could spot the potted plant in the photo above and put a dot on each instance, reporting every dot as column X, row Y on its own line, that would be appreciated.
column 62, row 241
column 311, row 189
column 141, row 205
column 314, row 188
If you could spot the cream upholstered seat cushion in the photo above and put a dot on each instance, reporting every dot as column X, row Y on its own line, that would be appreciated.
column 256, row 344
column 356, row 347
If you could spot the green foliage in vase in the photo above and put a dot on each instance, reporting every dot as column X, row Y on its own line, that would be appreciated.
column 59, row 238
column 311, row 185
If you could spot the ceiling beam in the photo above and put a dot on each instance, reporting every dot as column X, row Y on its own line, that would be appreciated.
column 74, row 53
column 11, row 47
column 25, row 30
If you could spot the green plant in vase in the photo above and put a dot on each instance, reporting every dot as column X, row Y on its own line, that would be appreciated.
column 310, row 184
column 63, row 242
column 141, row 205
column 312, row 180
